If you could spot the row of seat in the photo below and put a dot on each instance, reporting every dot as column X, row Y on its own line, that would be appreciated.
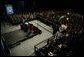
column 17, row 18
column 66, row 43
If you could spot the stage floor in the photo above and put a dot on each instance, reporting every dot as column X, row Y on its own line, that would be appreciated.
column 26, row 48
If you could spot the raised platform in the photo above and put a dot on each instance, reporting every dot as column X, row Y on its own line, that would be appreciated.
column 15, row 37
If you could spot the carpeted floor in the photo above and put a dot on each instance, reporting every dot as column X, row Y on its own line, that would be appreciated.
column 16, row 36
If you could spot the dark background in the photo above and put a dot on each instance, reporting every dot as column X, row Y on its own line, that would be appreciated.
column 36, row 5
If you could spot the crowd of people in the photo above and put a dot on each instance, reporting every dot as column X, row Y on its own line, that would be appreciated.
column 18, row 18
column 67, row 28
column 53, row 18
column 67, row 38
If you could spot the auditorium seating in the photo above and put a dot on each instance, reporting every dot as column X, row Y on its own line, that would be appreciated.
column 18, row 18
column 67, row 43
